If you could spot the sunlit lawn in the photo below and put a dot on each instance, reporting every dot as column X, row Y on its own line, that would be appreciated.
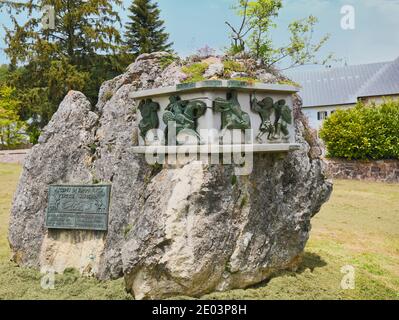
column 358, row 227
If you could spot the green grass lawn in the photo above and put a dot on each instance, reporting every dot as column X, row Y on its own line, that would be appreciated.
column 358, row 227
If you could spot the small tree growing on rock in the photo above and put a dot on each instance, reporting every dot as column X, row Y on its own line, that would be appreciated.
column 253, row 34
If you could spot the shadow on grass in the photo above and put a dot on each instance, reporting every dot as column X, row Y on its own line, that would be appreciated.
column 309, row 261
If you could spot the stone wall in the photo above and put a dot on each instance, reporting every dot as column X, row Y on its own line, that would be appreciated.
column 13, row 156
column 381, row 171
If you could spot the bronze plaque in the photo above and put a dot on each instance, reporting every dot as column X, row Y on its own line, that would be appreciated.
column 78, row 207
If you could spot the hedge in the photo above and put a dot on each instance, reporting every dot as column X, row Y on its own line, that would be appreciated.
column 364, row 132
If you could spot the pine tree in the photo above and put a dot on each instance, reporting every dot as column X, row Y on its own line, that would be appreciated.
column 145, row 31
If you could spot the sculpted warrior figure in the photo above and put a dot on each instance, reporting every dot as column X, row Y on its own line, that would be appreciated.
column 277, row 129
column 184, row 114
column 232, row 115
column 283, row 118
column 149, row 113
column 265, row 109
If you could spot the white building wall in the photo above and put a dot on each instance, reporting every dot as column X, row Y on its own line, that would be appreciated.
column 311, row 113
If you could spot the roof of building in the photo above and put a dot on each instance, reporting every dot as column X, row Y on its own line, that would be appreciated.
column 344, row 85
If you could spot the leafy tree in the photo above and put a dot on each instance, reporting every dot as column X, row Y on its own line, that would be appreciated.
column 145, row 31
column 3, row 73
column 10, row 123
column 77, row 54
column 254, row 35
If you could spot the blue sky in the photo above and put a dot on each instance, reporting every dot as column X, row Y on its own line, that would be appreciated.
column 196, row 23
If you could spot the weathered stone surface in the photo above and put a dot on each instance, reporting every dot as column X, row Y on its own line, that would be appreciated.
column 215, row 69
column 62, row 156
column 200, row 232
column 239, row 75
column 211, row 60
column 171, row 76
column 183, row 230
column 266, row 77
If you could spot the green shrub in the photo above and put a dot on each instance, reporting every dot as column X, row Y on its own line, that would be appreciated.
column 364, row 132
column 248, row 80
column 290, row 83
column 195, row 72
column 166, row 61
column 231, row 66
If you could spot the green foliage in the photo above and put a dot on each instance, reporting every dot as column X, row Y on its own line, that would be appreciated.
column 290, row 83
column 195, row 72
column 93, row 148
column 365, row 132
column 3, row 73
column 126, row 230
column 254, row 34
column 145, row 31
column 80, row 53
column 233, row 180
column 302, row 50
column 244, row 201
column 10, row 124
column 257, row 19
column 248, row 80
column 261, row 14
column 166, row 61
column 231, row 66
column 108, row 95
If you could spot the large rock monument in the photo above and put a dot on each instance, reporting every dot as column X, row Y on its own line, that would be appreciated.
column 187, row 228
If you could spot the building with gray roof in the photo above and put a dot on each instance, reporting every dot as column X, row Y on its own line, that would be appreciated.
column 327, row 90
